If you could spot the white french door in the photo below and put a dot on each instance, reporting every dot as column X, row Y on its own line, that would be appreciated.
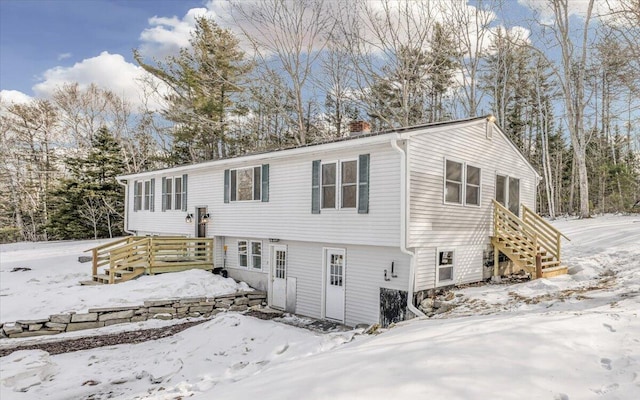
column 334, row 284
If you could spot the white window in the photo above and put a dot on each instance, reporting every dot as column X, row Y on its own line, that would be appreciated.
column 250, row 254
column 242, row 253
column 256, row 255
column 137, row 196
column 329, row 178
column 168, row 194
column 177, row 204
column 453, row 182
column 339, row 184
column 473, row 179
column 147, row 195
column 445, row 264
column 462, row 183
column 246, row 184
column 349, row 184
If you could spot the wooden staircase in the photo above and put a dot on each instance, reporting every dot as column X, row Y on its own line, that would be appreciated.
column 132, row 256
column 531, row 243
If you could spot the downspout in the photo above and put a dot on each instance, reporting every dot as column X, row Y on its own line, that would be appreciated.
column 404, row 225
column 126, row 206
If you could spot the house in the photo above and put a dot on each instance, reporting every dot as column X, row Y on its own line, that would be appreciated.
column 353, row 230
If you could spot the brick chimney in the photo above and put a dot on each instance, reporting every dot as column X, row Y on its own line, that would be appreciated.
column 359, row 127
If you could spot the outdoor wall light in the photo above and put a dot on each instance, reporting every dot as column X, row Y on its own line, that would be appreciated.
column 205, row 218
column 189, row 218
column 274, row 240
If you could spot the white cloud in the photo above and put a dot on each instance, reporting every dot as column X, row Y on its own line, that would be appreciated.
column 64, row 56
column 108, row 71
column 167, row 35
column 14, row 96
column 601, row 8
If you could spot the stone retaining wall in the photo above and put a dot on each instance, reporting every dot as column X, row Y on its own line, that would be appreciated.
column 153, row 309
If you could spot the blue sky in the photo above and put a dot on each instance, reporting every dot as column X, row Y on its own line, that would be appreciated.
column 45, row 43
column 37, row 35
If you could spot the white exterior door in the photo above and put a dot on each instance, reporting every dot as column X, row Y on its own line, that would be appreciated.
column 334, row 284
column 279, row 277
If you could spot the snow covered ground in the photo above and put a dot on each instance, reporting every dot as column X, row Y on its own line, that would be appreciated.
column 51, row 285
column 570, row 337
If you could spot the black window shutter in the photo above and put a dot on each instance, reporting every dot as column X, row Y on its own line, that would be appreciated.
column 265, row 182
column 226, row 185
column 152, row 200
column 363, row 184
column 164, row 193
column 233, row 185
column 315, row 188
column 136, row 193
column 184, row 192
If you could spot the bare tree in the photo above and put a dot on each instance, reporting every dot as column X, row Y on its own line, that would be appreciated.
column 293, row 35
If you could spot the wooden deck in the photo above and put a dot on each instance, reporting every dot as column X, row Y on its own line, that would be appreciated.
column 531, row 243
column 133, row 256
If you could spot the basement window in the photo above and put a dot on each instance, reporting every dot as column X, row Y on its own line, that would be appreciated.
column 250, row 254
column 445, row 264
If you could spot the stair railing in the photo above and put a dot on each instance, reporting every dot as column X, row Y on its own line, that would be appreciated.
column 515, row 233
column 550, row 237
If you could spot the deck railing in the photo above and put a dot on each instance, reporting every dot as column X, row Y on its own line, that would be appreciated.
column 156, row 254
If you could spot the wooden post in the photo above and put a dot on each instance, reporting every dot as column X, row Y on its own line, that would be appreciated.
column 538, row 266
column 94, row 266
column 496, row 261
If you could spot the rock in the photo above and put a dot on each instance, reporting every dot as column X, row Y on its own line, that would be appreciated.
column 85, row 259
column 11, row 328
column 60, row 318
column 190, row 300
column 241, row 301
column 139, row 318
column 78, row 326
column 116, row 315
column 113, row 309
column 254, row 302
column 450, row 296
column 143, row 310
column 200, row 309
column 56, row 326
column 158, row 303
column 426, row 303
column 163, row 316
column 88, row 317
column 32, row 321
column 116, row 321
column 223, row 304
column 238, row 308
column 20, row 269
column 161, row 310
column 35, row 327
column 437, row 304
column 444, row 307
column 33, row 333
column 182, row 310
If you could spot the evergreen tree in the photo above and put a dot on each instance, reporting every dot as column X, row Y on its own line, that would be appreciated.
column 205, row 81
column 90, row 202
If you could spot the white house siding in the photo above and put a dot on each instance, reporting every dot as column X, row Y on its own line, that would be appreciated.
column 466, row 229
column 287, row 215
column 364, row 275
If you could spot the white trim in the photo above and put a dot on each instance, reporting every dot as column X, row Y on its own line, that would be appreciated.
column 337, row 186
column 444, row 182
column 323, row 297
column 463, row 188
column 453, row 266
column 272, row 265
column 253, row 184
column 356, row 183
